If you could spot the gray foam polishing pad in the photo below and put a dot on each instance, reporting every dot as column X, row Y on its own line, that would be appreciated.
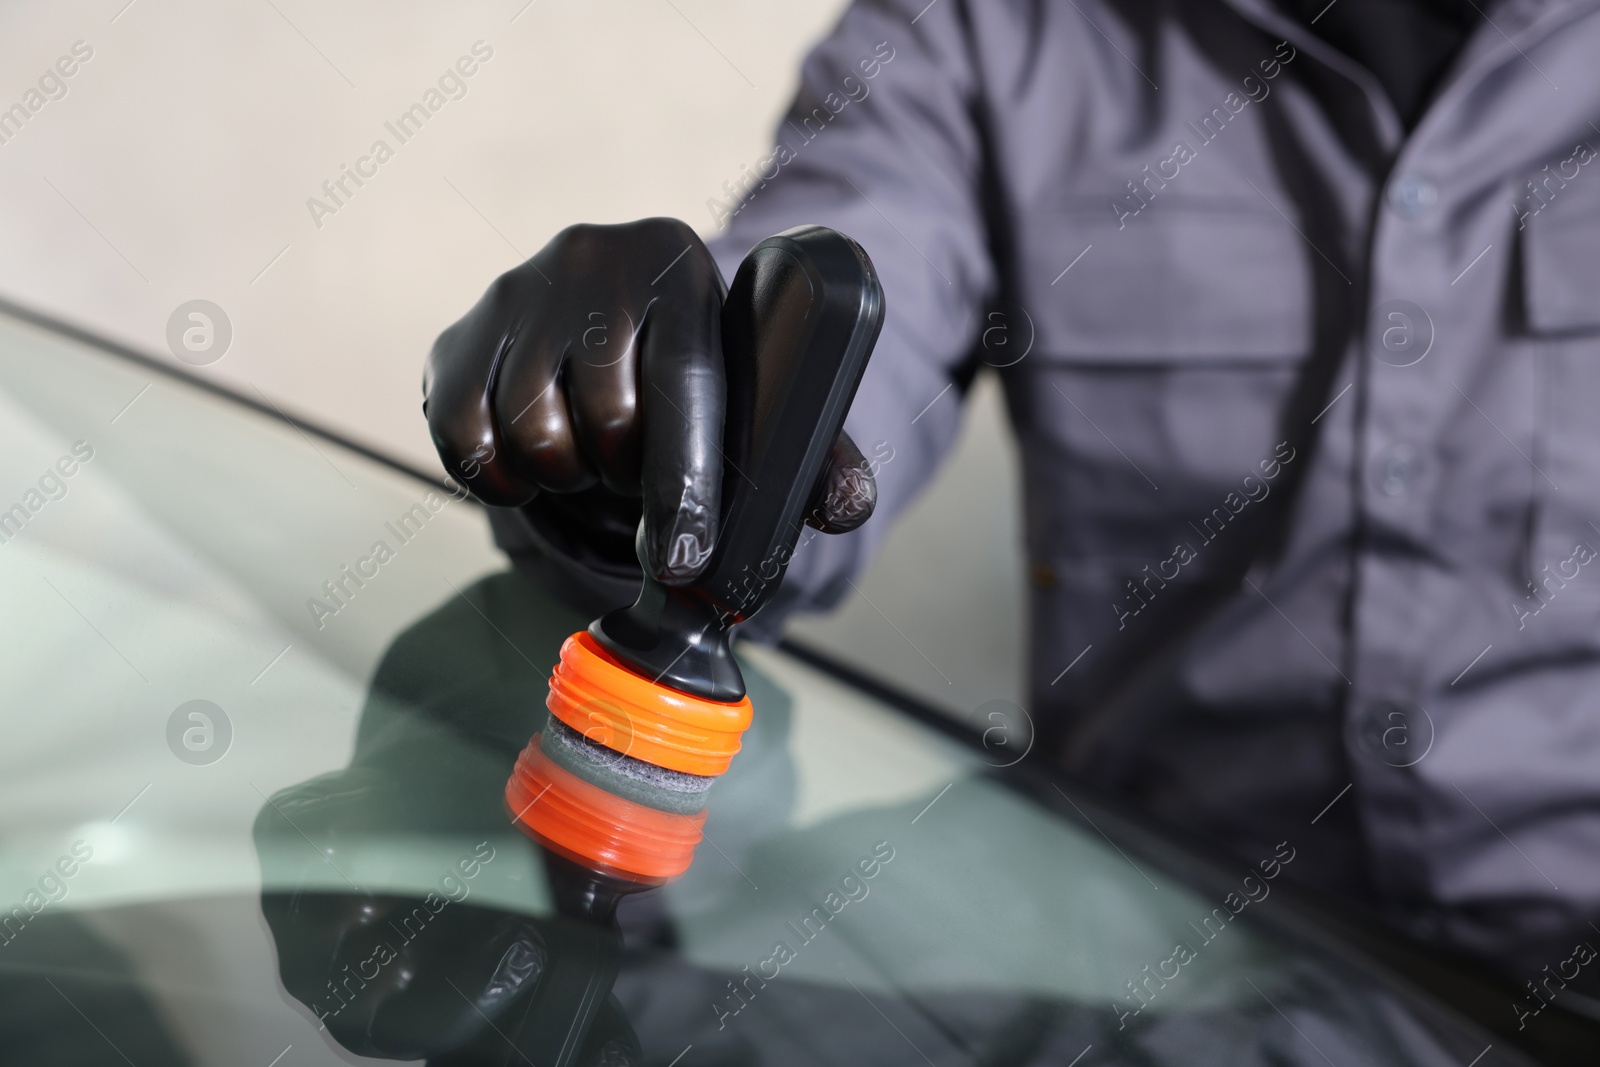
column 634, row 779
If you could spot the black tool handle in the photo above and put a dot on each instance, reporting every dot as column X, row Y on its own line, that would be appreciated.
column 798, row 327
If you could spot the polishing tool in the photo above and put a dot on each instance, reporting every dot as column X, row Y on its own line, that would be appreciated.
column 647, row 706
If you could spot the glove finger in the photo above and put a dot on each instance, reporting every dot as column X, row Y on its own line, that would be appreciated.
column 457, row 385
column 683, row 403
column 602, row 374
column 847, row 491
column 530, row 405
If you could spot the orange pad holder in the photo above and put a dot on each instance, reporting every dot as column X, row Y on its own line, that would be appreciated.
column 610, row 705
column 597, row 829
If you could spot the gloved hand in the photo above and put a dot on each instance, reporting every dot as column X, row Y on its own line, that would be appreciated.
column 596, row 369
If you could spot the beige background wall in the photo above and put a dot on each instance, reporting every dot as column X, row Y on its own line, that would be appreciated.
column 179, row 162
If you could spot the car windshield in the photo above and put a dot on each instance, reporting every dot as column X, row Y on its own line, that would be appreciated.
column 264, row 692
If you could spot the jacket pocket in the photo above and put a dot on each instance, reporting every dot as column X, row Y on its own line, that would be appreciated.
column 1223, row 284
column 1150, row 410
column 1560, row 298
column 1561, row 266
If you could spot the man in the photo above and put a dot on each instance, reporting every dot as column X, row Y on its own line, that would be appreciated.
column 1302, row 340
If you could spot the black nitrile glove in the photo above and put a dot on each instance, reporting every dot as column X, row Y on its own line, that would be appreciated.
column 595, row 370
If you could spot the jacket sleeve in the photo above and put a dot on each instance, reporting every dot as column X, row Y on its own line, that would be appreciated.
column 880, row 144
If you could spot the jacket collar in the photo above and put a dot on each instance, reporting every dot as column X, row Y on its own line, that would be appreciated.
column 1504, row 22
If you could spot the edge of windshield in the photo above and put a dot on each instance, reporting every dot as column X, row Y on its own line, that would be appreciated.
column 85, row 336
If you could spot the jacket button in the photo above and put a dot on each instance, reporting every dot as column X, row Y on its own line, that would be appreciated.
column 1411, row 195
column 1398, row 469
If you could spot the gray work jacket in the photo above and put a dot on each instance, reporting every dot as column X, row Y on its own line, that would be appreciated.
column 1307, row 408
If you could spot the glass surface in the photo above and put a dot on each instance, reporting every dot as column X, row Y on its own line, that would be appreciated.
column 271, row 755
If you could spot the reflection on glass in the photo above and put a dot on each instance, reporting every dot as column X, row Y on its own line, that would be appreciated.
column 412, row 928
column 416, row 922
